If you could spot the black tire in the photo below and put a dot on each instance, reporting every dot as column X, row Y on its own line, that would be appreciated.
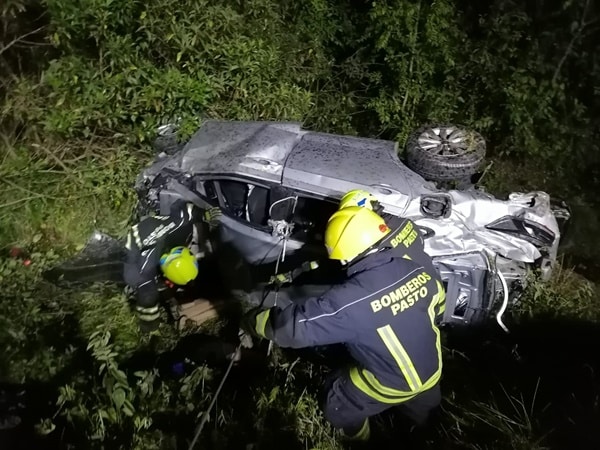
column 445, row 152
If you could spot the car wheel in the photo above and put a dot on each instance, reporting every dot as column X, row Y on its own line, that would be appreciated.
column 445, row 152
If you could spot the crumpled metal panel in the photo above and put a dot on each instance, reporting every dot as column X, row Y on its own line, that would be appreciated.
column 331, row 165
column 255, row 149
column 464, row 230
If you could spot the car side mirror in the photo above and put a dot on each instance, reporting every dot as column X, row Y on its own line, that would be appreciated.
column 166, row 141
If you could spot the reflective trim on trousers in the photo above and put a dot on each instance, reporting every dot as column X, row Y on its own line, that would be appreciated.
column 368, row 384
column 362, row 435
column 148, row 314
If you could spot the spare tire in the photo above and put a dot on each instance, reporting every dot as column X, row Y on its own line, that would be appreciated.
column 445, row 152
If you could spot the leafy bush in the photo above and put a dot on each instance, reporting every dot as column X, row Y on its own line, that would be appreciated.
column 58, row 193
column 83, row 86
column 566, row 296
column 131, row 65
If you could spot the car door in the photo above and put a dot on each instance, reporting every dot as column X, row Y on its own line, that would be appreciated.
column 251, row 209
column 245, row 225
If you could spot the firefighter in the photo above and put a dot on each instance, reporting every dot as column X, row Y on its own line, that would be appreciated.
column 159, row 258
column 384, row 313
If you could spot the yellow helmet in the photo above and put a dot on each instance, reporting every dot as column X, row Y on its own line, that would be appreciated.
column 359, row 197
column 179, row 265
column 353, row 230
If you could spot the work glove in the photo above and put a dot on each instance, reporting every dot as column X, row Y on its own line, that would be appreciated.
column 306, row 267
column 288, row 277
column 248, row 322
column 212, row 217
column 245, row 339
column 281, row 279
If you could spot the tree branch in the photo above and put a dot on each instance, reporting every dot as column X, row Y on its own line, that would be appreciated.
column 20, row 38
column 576, row 36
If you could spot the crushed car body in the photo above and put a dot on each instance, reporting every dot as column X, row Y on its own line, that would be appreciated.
column 482, row 246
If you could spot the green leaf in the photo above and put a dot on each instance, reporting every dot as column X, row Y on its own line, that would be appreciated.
column 119, row 397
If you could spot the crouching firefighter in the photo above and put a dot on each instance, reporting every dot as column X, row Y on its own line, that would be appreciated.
column 384, row 314
column 159, row 258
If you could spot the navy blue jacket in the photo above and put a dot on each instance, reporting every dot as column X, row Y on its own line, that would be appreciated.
column 405, row 239
column 385, row 315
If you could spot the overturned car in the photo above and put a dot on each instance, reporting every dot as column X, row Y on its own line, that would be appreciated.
column 277, row 184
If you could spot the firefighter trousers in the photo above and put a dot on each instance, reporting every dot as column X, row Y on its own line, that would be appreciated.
column 348, row 408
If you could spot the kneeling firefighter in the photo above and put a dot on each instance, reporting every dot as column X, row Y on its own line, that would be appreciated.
column 384, row 313
column 162, row 242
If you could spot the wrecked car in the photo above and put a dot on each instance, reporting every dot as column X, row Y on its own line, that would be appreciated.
column 277, row 184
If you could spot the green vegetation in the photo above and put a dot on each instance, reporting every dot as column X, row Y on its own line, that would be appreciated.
column 83, row 86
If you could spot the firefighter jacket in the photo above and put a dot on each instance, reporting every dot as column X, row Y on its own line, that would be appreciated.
column 405, row 240
column 146, row 242
column 385, row 315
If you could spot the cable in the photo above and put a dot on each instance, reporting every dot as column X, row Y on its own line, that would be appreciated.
column 504, row 303
column 206, row 416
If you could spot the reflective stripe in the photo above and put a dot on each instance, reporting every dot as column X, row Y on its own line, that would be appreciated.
column 148, row 310
column 407, row 257
column 128, row 243
column 367, row 383
column 149, row 317
column 261, row 322
column 146, row 259
column 375, row 390
column 400, row 356
column 363, row 434
column 148, row 314
column 437, row 298
column 136, row 234
column 441, row 309
column 441, row 295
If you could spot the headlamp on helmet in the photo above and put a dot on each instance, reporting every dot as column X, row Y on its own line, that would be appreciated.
column 362, row 198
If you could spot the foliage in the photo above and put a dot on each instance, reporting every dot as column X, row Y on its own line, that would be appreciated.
column 130, row 65
column 44, row 185
column 511, row 423
column 83, row 86
column 567, row 295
